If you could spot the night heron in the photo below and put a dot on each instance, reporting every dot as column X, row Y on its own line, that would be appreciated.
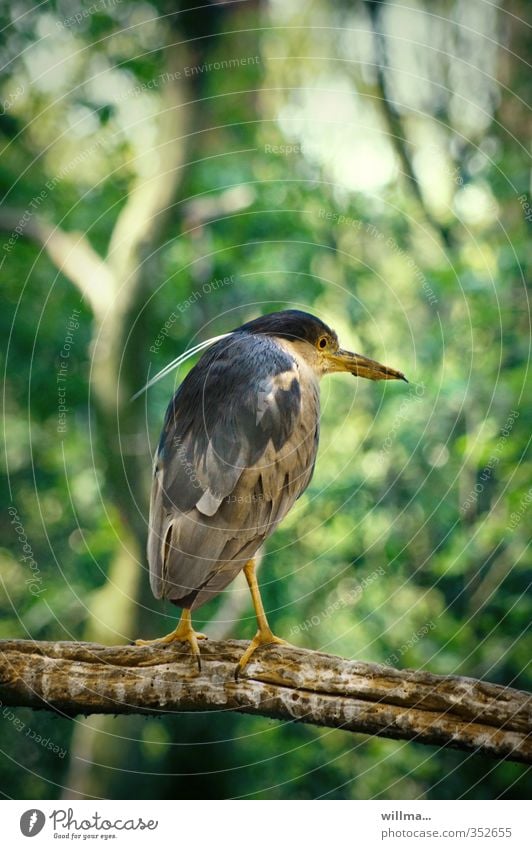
column 238, row 447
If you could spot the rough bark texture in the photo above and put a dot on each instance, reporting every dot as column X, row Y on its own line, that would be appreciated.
column 280, row 682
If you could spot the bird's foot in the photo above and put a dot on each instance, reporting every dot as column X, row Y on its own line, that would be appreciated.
column 263, row 637
column 182, row 634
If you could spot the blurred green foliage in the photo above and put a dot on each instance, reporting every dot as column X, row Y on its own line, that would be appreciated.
column 415, row 529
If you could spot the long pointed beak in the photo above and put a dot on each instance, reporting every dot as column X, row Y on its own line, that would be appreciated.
column 362, row 366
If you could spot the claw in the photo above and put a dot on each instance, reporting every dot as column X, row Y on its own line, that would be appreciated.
column 184, row 633
column 261, row 638
column 264, row 636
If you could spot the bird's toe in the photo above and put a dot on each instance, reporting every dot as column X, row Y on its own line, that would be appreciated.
column 261, row 638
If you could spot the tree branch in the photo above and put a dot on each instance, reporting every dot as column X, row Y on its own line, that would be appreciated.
column 159, row 173
column 279, row 682
column 71, row 253
column 393, row 117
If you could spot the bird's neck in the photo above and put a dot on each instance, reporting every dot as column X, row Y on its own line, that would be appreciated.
column 307, row 359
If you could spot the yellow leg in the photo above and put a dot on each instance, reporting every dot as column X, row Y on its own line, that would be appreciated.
column 184, row 632
column 264, row 635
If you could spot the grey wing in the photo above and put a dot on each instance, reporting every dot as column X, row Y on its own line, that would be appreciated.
column 221, row 488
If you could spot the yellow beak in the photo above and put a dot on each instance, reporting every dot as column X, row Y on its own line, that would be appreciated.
column 362, row 366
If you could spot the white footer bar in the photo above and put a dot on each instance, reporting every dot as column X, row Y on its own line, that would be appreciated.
column 267, row 824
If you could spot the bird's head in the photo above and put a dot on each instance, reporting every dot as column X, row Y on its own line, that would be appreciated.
column 311, row 339
column 306, row 337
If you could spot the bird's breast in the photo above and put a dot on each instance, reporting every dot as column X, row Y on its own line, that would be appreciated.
column 308, row 385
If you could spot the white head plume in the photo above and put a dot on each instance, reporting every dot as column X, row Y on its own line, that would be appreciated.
column 178, row 361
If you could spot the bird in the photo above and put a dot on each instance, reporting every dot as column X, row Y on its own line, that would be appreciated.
column 237, row 448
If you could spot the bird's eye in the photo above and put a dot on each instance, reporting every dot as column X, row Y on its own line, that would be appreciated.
column 322, row 342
